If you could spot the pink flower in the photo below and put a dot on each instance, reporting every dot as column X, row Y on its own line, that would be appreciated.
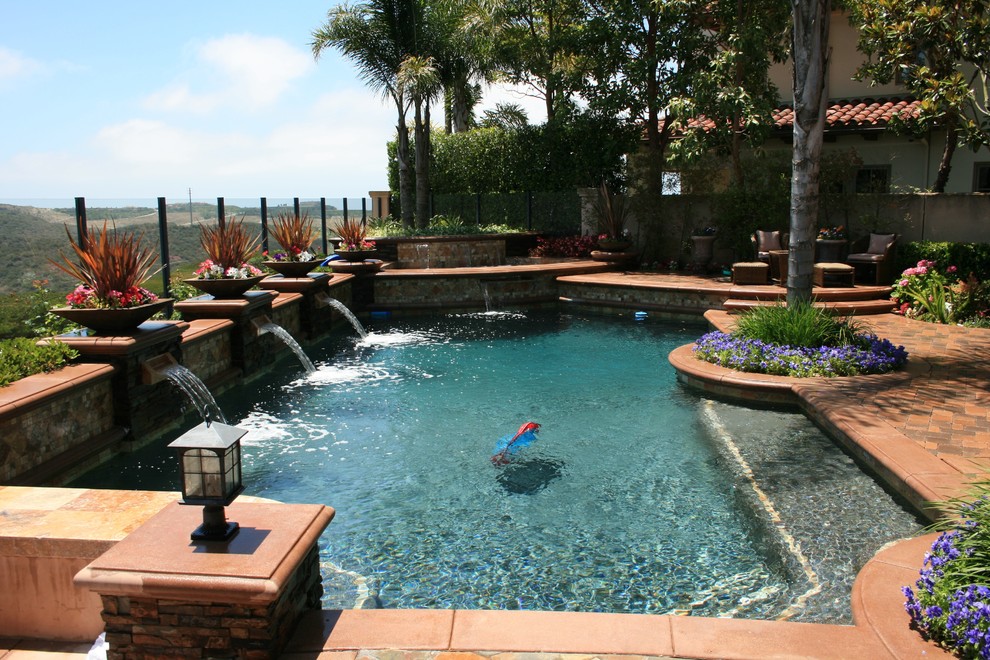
column 951, row 269
column 904, row 282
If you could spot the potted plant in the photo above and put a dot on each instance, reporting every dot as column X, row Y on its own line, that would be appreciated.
column 831, row 243
column 226, row 272
column 111, row 267
column 354, row 245
column 295, row 234
column 612, row 212
column 702, row 250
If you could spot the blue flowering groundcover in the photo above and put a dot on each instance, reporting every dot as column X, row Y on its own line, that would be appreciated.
column 952, row 601
column 869, row 355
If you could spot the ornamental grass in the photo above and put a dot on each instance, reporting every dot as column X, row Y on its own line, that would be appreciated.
column 799, row 341
column 228, row 244
column 352, row 235
column 111, row 265
column 294, row 233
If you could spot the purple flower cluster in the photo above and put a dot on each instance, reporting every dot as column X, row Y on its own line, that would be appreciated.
column 959, row 620
column 870, row 355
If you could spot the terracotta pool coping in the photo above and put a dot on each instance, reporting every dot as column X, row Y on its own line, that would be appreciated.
column 881, row 628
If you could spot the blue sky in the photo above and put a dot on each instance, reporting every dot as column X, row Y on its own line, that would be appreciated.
column 135, row 100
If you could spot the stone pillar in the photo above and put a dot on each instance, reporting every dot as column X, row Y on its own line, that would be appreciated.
column 143, row 408
column 381, row 203
column 249, row 351
column 164, row 596
column 315, row 316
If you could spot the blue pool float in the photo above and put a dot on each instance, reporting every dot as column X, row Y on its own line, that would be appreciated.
column 508, row 446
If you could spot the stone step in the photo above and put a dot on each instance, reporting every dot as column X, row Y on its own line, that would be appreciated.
column 853, row 307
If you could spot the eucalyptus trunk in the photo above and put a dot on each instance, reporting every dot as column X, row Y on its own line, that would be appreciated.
column 422, row 163
column 809, row 52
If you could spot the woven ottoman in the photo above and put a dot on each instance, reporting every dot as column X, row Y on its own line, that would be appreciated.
column 750, row 272
column 832, row 274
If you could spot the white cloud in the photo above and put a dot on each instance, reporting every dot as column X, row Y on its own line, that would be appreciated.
column 249, row 70
column 15, row 65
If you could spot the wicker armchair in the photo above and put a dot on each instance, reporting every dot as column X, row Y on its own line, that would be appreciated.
column 764, row 241
column 873, row 258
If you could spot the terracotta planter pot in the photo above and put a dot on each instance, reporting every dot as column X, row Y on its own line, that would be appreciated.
column 356, row 267
column 126, row 319
column 225, row 288
column 293, row 268
column 356, row 255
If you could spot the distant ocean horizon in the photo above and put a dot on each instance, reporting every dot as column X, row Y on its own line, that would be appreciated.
column 152, row 203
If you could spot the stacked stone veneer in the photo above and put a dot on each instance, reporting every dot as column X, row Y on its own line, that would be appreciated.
column 673, row 303
column 431, row 293
column 46, row 416
column 446, row 253
column 208, row 353
column 141, row 628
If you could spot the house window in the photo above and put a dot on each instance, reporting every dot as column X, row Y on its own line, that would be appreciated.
column 873, row 179
column 981, row 177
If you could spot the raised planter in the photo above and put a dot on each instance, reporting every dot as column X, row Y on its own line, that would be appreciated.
column 125, row 319
column 293, row 268
column 225, row 288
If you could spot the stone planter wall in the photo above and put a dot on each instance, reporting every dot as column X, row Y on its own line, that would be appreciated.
column 452, row 253
column 47, row 417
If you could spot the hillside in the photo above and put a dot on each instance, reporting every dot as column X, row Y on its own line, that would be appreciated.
column 31, row 236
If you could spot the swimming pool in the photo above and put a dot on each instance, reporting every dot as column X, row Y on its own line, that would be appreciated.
column 640, row 495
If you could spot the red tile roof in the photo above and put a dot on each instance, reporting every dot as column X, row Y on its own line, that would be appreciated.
column 847, row 114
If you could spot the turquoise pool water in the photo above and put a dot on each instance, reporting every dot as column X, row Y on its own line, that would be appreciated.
column 639, row 496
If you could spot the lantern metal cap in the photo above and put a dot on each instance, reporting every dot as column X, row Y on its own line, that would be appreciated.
column 209, row 436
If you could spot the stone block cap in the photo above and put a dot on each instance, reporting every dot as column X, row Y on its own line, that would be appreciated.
column 158, row 560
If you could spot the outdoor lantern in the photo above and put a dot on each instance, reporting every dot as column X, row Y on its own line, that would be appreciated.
column 210, row 458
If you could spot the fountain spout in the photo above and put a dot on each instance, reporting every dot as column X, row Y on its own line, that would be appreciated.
column 164, row 367
column 264, row 325
column 324, row 300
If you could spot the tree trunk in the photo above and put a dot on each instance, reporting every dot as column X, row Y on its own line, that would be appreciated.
column 459, row 106
column 422, row 163
column 809, row 52
column 736, row 144
column 406, row 194
column 945, row 166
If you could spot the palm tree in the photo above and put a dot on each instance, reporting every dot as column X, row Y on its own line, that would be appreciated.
column 463, row 53
column 419, row 77
column 378, row 36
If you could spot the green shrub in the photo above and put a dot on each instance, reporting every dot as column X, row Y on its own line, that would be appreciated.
column 21, row 357
column 968, row 258
column 800, row 325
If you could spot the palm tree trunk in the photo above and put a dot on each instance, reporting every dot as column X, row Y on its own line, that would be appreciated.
column 422, row 163
column 809, row 51
column 406, row 195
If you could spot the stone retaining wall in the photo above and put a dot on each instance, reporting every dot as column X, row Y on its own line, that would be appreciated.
column 46, row 416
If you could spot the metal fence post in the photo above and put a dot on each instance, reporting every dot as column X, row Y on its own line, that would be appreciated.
column 477, row 209
column 221, row 212
column 323, row 222
column 163, row 248
column 81, row 220
column 295, row 206
column 345, row 209
column 264, row 224
column 529, row 210
column 364, row 210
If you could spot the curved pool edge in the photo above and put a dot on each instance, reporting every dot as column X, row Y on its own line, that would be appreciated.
column 881, row 628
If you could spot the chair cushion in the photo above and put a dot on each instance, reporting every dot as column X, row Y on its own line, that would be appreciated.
column 767, row 240
column 879, row 243
column 865, row 258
